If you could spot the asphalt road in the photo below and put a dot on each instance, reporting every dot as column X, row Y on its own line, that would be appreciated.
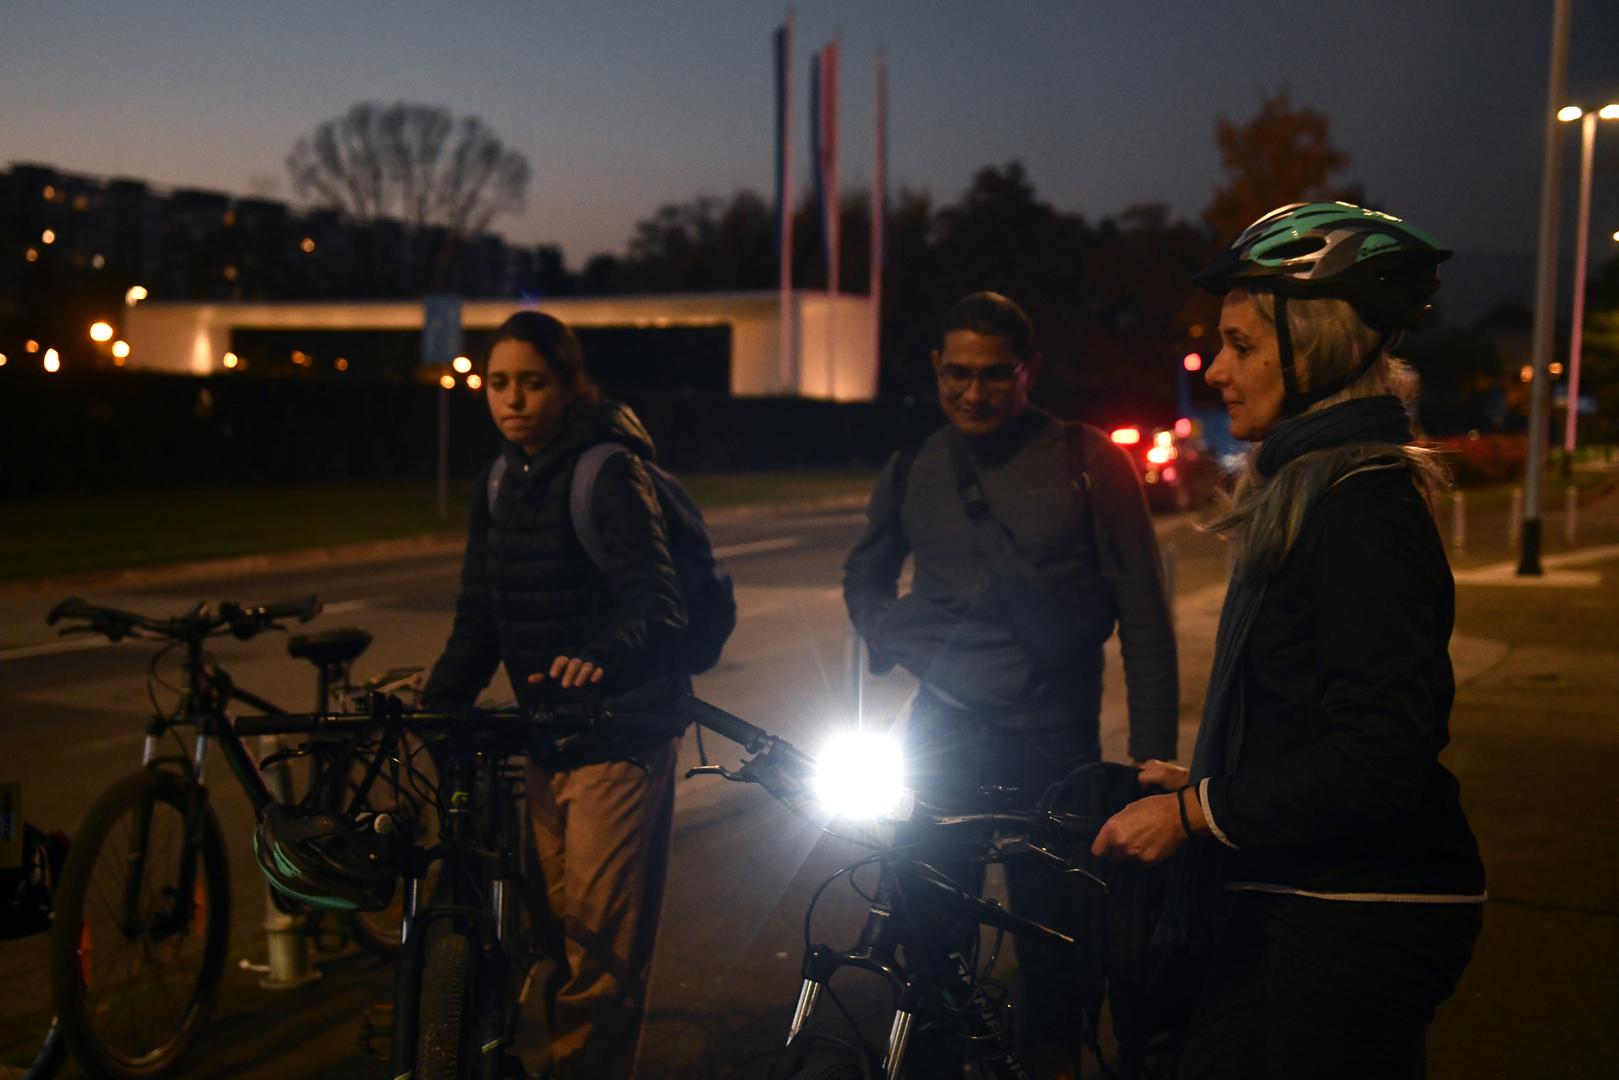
column 743, row 867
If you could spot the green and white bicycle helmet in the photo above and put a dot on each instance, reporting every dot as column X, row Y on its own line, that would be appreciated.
column 1383, row 267
column 326, row 862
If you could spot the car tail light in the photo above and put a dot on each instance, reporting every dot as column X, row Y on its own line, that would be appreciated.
column 1127, row 436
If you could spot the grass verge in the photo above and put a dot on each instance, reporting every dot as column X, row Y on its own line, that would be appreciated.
column 59, row 537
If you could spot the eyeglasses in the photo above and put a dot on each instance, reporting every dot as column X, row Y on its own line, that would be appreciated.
column 995, row 378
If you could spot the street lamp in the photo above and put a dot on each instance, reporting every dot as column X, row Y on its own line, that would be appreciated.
column 1588, row 134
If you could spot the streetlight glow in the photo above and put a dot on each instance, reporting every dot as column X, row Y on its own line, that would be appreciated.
column 1570, row 113
column 134, row 295
column 2, row 359
column 473, row 382
column 53, row 361
column 1609, row 112
column 307, row 245
column 100, row 332
column 341, row 363
column 230, row 360
column 30, row 346
column 120, row 349
column 447, row 381
column 461, row 364
column 48, row 236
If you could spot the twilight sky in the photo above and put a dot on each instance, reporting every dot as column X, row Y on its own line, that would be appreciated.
column 621, row 106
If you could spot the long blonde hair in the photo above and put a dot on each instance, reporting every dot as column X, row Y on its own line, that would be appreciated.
column 1262, row 515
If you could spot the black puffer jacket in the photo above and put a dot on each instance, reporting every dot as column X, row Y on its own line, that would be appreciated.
column 1346, row 691
column 530, row 593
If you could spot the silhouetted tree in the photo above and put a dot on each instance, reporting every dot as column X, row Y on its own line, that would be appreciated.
column 1283, row 154
column 415, row 163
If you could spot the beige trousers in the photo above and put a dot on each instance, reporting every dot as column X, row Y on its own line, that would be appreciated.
column 601, row 833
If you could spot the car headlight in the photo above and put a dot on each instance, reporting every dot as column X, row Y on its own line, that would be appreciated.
column 860, row 775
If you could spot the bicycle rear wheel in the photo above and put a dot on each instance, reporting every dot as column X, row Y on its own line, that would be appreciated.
column 444, row 1049
column 31, row 1046
column 142, row 922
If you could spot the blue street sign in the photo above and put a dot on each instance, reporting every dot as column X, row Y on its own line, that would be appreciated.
column 441, row 329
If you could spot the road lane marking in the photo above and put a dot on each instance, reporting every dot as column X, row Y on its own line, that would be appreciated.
column 50, row 647
column 340, row 606
column 758, row 547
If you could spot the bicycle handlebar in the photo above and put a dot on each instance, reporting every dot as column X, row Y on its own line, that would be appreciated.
column 243, row 620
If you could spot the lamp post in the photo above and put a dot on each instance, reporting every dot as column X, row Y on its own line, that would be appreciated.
column 1588, row 134
column 1545, row 298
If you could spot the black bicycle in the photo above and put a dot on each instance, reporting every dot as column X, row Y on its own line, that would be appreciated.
column 469, row 946
column 142, row 912
column 935, row 983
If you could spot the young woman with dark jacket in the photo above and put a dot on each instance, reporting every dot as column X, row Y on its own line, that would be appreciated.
column 532, row 598
column 1352, row 886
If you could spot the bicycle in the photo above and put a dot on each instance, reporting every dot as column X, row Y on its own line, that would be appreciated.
column 934, row 982
column 31, row 1046
column 467, row 953
column 142, row 914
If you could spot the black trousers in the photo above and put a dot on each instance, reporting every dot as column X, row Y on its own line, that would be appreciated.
column 957, row 762
column 1299, row 987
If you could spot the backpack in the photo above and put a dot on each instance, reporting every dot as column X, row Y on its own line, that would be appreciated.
column 705, row 587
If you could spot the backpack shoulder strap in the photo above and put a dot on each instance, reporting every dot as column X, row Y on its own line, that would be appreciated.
column 586, row 467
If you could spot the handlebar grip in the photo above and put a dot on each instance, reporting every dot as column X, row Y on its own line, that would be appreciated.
column 302, row 609
column 722, row 723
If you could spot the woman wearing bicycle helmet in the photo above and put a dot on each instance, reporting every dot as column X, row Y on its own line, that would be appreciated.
column 532, row 597
column 1352, row 887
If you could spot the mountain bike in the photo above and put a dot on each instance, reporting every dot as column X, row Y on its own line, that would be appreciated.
column 142, row 912
column 469, row 947
column 936, row 984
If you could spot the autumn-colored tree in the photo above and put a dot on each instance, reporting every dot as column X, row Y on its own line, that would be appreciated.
column 1283, row 154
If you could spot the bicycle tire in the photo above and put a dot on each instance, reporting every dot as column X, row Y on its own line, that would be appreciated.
column 153, row 970
column 444, row 1032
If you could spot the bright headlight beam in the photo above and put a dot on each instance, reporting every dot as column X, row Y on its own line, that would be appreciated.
column 860, row 775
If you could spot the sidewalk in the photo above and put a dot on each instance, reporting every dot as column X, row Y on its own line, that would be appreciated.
column 1535, row 743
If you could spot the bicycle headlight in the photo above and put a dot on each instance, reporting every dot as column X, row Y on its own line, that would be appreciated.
column 860, row 775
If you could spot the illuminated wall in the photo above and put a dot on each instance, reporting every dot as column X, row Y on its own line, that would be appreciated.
column 832, row 352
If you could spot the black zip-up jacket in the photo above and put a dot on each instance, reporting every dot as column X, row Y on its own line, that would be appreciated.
column 949, row 631
column 530, row 593
column 1346, row 695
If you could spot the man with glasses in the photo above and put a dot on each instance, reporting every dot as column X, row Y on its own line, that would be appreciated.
column 1005, row 497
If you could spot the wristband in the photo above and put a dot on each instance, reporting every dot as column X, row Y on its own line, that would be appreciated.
column 1180, row 801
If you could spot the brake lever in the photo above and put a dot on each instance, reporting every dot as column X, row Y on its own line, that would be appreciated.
column 716, row 770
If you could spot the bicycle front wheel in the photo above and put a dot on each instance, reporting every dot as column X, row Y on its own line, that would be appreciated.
column 142, row 922
column 445, row 1035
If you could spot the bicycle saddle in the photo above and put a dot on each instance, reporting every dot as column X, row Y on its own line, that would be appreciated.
column 329, row 646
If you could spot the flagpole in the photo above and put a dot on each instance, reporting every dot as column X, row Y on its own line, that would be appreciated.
column 834, row 208
column 879, row 215
column 784, row 130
